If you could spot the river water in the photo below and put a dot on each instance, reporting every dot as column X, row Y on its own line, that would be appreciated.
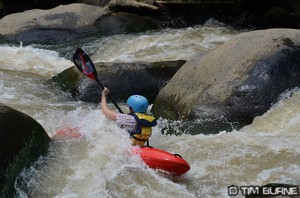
column 98, row 165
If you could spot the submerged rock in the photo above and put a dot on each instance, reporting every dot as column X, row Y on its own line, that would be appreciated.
column 22, row 141
column 123, row 80
column 234, row 83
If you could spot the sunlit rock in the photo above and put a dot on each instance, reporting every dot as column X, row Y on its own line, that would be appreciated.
column 55, row 25
column 232, row 84
column 71, row 22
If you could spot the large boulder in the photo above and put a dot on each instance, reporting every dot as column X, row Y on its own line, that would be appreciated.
column 22, row 141
column 55, row 25
column 123, row 80
column 234, row 83
column 70, row 22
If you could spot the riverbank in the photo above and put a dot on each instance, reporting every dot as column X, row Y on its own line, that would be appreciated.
column 255, row 14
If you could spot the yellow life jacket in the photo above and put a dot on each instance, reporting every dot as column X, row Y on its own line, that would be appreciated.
column 143, row 130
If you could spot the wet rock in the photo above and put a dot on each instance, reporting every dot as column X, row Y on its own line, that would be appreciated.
column 22, row 141
column 234, row 83
column 123, row 80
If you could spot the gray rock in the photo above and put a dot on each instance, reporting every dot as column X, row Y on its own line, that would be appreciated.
column 123, row 80
column 234, row 83
column 62, row 17
column 56, row 25
column 70, row 22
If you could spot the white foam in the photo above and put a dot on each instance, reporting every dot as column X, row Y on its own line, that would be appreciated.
column 168, row 44
column 33, row 60
column 98, row 165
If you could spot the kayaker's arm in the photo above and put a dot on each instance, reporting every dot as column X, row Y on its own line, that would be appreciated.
column 109, row 113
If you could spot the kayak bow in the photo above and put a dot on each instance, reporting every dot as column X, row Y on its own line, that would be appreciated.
column 162, row 160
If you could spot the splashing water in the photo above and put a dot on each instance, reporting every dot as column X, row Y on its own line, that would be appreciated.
column 99, row 165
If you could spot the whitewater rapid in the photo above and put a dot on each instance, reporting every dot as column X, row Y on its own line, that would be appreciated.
column 98, row 165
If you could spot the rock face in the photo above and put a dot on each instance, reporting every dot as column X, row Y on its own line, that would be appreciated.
column 123, row 80
column 234, row 83
column 22, row 141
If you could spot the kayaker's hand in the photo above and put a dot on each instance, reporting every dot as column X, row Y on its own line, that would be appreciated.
column 105, row 91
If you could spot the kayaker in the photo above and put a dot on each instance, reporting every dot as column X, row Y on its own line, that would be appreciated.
column 138, row 123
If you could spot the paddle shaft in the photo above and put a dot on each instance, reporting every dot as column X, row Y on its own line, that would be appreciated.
column 87, row 67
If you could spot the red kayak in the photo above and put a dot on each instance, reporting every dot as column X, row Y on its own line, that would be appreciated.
column 162, row 160
column 155, row 158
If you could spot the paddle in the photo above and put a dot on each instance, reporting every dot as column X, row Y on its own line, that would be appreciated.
column 83, row 62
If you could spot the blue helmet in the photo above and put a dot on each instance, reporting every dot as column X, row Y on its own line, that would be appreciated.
column 138, row 103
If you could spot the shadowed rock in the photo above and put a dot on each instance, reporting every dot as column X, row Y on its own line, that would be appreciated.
column 123, row 80
column 22, row 141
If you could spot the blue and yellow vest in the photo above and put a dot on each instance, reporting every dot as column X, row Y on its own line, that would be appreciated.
column 143, row 129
